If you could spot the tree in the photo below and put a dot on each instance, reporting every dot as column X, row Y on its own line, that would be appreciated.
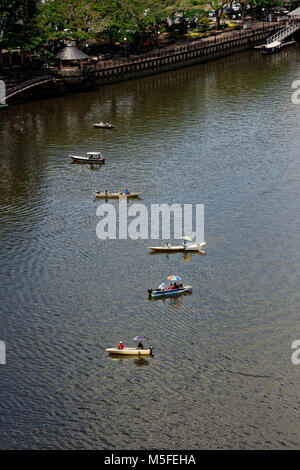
column 15, row 17
column 265, row 5
column 218, row 6
column 187, row 10
column 123, row 18
column 155, row 13
column 74, row 20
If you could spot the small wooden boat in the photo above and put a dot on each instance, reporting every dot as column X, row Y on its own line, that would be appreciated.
column 130, row 351
column 90, row 157
column 108, row 195
column 178, row 249
column 104, row 125
column 156, row 293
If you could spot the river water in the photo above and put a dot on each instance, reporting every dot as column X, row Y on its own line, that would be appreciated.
column 224, row 134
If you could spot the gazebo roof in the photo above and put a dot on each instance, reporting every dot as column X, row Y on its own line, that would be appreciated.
column 71, row 53
column 295, row 12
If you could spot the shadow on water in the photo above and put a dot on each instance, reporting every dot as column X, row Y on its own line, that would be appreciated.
column 140, row 362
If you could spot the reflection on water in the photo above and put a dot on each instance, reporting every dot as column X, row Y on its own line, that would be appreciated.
column 224, row 134
column 140, row 361
column 174, row 300
column 186, row 257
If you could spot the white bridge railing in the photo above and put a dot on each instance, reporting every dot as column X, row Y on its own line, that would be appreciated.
column 2, row 92
column 23, row 86
column 284, row 33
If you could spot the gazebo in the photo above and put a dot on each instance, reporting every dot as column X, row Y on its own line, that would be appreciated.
column 70, row 53
column 295, row 13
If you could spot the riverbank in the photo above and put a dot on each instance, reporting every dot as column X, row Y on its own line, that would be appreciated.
column 24, row 86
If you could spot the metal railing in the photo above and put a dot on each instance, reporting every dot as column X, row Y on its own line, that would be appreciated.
column 284, row 33
column 23, row 86
column 188, row 47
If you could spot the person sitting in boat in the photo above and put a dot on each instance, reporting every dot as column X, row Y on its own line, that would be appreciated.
column 120, row 345
column 162, row 286
column 140, row 345
column 126, row 191
column 175, row 286
column 184, row 244
column 105, row 192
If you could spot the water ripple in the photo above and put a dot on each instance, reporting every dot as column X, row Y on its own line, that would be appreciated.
column 221, row 376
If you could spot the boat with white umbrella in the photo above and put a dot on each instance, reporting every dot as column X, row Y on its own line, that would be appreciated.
column 185, row 247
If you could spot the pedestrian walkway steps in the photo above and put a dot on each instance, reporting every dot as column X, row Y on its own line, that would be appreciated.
column 284, row 33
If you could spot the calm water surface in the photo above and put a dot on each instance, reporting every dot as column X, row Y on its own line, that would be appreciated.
column 224, row 134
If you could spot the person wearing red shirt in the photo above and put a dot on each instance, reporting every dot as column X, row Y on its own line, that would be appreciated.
column 120, row 345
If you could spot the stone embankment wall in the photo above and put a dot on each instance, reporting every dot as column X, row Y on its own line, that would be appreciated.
column 177, row 58
column 71, row 80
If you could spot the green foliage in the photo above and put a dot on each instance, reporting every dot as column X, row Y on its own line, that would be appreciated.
column 70, row 20
column 34, row 23
column 16, row 27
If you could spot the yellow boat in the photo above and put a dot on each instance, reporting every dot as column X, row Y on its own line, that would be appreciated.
column 130, row 351
column 107, row 195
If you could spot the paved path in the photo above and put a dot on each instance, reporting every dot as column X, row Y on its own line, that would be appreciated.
column 166, row 46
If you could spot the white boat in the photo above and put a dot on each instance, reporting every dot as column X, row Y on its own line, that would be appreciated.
column 130, row 351
column 180, row 248
column 275, row 47
column 104, row 125
column 90, row 157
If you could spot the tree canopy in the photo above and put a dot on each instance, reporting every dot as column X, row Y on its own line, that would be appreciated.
column 36, row 23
